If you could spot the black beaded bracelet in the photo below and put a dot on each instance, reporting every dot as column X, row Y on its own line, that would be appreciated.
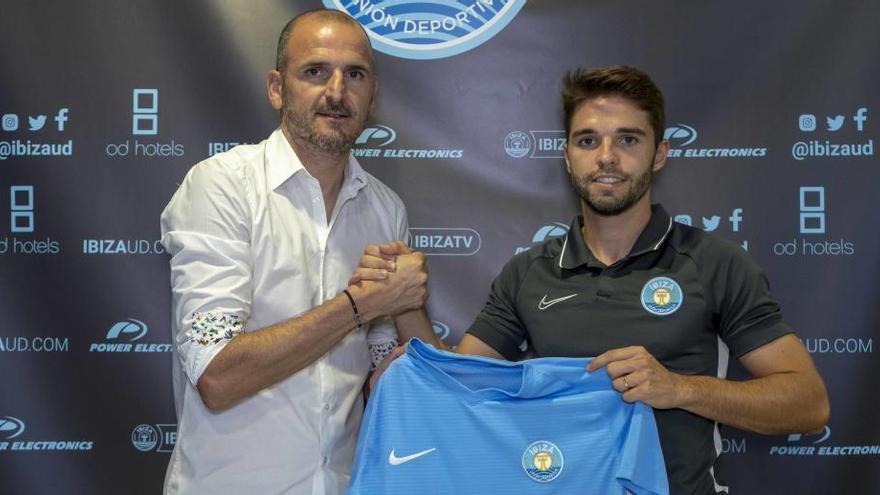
column 354, row 307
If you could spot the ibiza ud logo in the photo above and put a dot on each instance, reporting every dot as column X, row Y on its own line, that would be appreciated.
column 661, row 296
column 427, row 29
column 535, row 144
column 154, row 438
column 543, row 461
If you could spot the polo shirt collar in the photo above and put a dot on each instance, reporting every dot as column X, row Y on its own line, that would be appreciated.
column 575, row 252
column 283, row 164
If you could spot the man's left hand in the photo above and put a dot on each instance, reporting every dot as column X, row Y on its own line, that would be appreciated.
column 639, row 376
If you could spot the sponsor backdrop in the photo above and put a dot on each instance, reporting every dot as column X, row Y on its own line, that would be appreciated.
column 772, row 116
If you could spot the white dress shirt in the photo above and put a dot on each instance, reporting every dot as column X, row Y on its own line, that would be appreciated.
column 251, row 246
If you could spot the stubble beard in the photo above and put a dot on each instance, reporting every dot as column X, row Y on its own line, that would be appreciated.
column 302, row 126
column 608, row 205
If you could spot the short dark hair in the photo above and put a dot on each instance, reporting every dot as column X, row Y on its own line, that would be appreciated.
column 320, row 14
column 583, row 84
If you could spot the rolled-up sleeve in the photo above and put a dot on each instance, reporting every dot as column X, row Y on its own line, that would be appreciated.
column 382, row 337
column 206, row 230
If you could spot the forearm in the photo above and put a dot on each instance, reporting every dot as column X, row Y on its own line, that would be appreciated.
column 416, row 323
column 255, row 360
column 779, row 403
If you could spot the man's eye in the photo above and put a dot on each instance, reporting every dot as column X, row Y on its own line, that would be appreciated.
column 629, row 140
column 586, row 142
column 313, row 72
column 356, row 74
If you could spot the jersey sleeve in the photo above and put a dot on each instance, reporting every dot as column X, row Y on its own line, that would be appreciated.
column 749, row 317
column 206, row 230
column 499, row 324
column 641, row 468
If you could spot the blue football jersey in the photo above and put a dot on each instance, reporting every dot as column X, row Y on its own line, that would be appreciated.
column 443, row 423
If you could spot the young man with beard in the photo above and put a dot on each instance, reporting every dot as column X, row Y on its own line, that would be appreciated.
column 271, row 347
column 660, row 305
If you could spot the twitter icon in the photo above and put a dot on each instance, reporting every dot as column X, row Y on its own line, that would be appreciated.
column 834, row 124
column 710, row 224
column 37, row 123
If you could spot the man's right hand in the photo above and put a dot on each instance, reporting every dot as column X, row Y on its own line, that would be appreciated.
column 403, row 289
column 378, row 260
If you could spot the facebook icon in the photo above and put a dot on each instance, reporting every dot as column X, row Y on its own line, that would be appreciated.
column 735, row 218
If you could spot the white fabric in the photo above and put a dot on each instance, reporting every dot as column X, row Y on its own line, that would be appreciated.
column 250, row 242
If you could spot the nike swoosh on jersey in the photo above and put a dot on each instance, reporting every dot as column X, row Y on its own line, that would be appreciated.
column 544, row 303
column 396, row 461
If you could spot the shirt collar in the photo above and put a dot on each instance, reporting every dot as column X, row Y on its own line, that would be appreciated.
column 575, row 252
column 283, row 164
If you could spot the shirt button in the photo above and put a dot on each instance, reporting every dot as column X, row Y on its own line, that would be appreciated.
column 326, row 407
column 325, row 460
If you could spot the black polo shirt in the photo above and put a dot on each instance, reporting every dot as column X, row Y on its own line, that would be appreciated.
column 681, row 293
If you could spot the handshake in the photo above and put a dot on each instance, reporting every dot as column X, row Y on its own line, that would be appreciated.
column 390, row 279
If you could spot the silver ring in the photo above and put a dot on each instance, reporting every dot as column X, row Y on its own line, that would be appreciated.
column 626, row 383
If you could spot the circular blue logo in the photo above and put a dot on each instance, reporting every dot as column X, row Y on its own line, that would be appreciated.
column 144, row 438
column 517, row 144
column 427, row 29
column 543, row 461
column 662, row 296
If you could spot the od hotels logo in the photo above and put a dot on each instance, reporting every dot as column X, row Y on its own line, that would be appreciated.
column 812, row 221
column 428, row 29
column 120, row 336
column 144, row 122
column 23, row 220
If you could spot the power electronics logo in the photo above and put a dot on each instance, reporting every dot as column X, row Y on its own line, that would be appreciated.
column 12, row 437
column 23, row 220
column 428, row 29
column 10, row 123
column 376, row 141
column 145, row 118
column 834, row 123
column 441, row 329
column 121, row 337
column 555, row 229
column 813, row 222
column 535, row 144
column 799, row 444
column 154, row 438
column 456, row 241
column 682, row 136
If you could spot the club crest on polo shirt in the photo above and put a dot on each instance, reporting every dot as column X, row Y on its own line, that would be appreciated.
column 662, row 296
column 543, row 461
